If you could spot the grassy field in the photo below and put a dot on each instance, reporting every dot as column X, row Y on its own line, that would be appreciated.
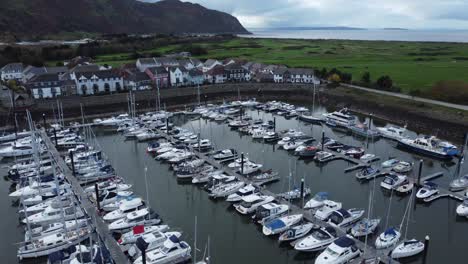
column 411, row 65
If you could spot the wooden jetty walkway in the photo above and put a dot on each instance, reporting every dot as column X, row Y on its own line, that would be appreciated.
column 371, row 253
column 100, row 226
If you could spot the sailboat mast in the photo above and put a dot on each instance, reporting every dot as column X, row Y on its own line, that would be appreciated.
column 313, row 101
column 195, row 243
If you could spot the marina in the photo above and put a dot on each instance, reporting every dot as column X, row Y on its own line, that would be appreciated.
column 187, row 201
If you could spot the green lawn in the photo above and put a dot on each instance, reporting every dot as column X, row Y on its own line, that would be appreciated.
column 412, row 65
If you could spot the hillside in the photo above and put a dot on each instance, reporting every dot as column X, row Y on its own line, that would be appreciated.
column 39, row 17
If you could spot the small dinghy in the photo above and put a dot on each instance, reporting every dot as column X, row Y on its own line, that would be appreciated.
column 365, row 227
column 317, row 201
column 429, row 189
column 388, row 238
column 408, row 248
column 281, row 224
column 296, row 232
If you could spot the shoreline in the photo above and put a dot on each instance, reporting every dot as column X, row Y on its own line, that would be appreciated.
column 421, row 117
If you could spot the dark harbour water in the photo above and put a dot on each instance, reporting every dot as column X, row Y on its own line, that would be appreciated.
column 234, row 238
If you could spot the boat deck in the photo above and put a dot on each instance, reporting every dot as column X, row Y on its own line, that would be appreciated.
column 100, row 226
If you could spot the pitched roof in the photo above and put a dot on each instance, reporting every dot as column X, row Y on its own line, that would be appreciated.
column 99, row 74
column 146, row 61
column 166, row 61
column 138, row 77
column 195, row 72
column 234, row 66
column 47, row 77
column 217, row 70
column 84, row 68
column 195, row 61
column 181, row 68
column 301, row 71
column 157, row 70
column 210, row 62
column 13, row 67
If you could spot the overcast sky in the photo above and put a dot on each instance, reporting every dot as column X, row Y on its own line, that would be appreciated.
column 354, row 13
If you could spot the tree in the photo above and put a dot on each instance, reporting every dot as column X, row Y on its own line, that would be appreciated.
column 323, row 73
column 365, row 78
column 346, row 77
column 334, row 78
column 385, row 82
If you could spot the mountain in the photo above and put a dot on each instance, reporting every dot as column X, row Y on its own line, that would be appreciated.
column 39, row 17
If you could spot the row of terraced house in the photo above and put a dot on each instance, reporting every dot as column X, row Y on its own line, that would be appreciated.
column 80, row 76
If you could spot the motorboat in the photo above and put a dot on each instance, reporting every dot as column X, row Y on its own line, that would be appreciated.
column 45, row 230
column 267, row 176
column 407, row 248
column 52, row 214
column 367, row 173
column 36, row 188
column 367, row 157
column 317, row 201
column 341, row 118
column 390, row 163
column 172, row 251
column 238, row 123
column 56, row 202
column 218, row 180
column 430, row 146
column 365, row 227
column 225, row 155
column 319, row 239
column 251, row 202
column 342, row 250
column 181, row 157
column 459, row 184
column 392, row 132
column 188, row 165
column 109, row 207
column 393, row 181
column 354, row 152
column 154, row 241
column 192, row 172
column 429, row 189
column 140, row 230
column 270, row 211
column 271, row 136
column 310, row 118
column 125, row 207
column 206, row 176
column 226, row 189
column 109, row 186
column 242, row 192
column 281, row 224
column 139, row 217
column 327, row 209
column 295, row 194
column 462, row 209
column 203, row 144
column 363, row 130
column 296, row 232
column 308, row 152
column 107, row 197
column 387, row 239
column 403, row 167
column 249, row 168
column 323, row 156
column 45, row 245
column 344, row 218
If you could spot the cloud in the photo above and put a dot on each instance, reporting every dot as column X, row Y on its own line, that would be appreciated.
column 362, row 13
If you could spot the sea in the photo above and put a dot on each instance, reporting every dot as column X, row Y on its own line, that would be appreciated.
column 364, row 34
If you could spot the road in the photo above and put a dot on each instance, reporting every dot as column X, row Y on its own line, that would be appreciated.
column 409, row 97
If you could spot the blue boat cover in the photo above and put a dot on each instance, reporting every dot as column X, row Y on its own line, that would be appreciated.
column 276, row 224
column 344, row 213
column 174, row 239
column 344, row 242
column 390, row 231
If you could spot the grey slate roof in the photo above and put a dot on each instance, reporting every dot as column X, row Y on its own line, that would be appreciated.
column 157, row 70
column 13, row 67
column 99, row 74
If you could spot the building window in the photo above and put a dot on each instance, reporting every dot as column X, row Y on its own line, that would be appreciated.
column 107, row 87
column 118, row 87
column 95, row 88
column 83, row 89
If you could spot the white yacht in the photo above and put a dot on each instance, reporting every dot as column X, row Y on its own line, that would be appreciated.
column 340, row 118
column 140, row 217
column 319, row 239
column 317, row 201
column 327, row 209
column 172, row 251
column 392, row 132
column 140, row 230
column 341, row 251
column 430, row 146
column 251, row 202
column 389, row 238
column 226, row 189
column 127, row 206
column 344, row 218
column 270, row 211
column 393, row 181
column 281, row 224
column 407, row 248
column 242, row 192
column 154, row 241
